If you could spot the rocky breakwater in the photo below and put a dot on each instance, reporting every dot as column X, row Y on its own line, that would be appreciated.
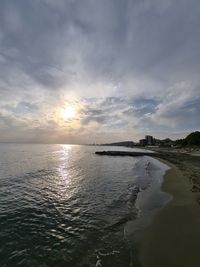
column 126, row 153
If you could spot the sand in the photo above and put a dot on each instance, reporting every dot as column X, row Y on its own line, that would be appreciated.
column 173, row 238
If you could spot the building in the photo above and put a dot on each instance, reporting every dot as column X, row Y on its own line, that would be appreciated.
column 149, row 140
column 142, row 142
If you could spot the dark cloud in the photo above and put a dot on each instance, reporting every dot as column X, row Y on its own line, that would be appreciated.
column 109, row 38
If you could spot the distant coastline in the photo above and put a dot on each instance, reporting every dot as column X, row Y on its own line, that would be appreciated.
column 191, row 141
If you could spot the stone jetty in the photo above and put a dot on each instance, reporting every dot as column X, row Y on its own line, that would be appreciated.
column 126, row 153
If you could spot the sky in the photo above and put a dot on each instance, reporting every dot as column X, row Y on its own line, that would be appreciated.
column 127, row 68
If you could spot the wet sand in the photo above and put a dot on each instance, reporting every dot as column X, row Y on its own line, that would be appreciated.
column 173, row 238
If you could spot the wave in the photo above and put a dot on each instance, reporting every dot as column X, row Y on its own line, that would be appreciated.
column 148, row 176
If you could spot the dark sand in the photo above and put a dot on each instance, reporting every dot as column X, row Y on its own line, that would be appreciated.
column 173, row 238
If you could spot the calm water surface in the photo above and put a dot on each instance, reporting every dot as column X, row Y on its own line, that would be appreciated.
column 62, row 205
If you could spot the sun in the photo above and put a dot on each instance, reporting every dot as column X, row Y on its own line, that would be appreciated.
column 69, row 112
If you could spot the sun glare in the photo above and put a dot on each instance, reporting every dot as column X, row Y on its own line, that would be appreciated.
column 69, row 113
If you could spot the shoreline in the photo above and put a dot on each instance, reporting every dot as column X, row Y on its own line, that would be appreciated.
column 173, row 237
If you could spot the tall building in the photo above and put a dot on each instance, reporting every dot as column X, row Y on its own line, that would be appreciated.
column 149, row 140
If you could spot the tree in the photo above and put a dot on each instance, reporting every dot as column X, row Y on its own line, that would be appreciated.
column 192, row 139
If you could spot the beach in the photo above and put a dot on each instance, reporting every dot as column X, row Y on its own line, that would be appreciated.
column 49, row 216
column 173, row 238
column 169, row 234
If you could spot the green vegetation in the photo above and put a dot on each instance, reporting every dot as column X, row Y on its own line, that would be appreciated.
column 192, row 139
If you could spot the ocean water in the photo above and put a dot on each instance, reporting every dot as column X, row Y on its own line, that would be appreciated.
column 62, row 205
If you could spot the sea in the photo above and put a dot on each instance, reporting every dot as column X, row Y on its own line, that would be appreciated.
column 63, row 205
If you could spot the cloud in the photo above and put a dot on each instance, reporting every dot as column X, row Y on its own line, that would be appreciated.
column 132, row 66
column 179, row 109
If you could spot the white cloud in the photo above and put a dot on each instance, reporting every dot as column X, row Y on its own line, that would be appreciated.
column 132, row 52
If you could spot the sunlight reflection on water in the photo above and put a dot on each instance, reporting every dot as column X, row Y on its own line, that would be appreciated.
column 58, row 203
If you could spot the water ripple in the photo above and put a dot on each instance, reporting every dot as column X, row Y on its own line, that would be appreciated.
column 59, row 203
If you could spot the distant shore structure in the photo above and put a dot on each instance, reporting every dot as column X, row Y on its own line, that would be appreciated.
column 148, row 141
column 193, row 139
